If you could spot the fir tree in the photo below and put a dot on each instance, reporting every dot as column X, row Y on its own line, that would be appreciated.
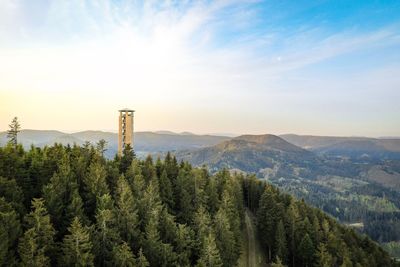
column 127, row 213
column 280, row 242
column 76, row 246
column 209, row 256
column 324, row 258
column 10, row 230
column 37, row 241
column 141, row 260
column 106, row 235
column 123, row 256
column 225, row 238
column 166, row 192
column 12, row 133
column 306, row 251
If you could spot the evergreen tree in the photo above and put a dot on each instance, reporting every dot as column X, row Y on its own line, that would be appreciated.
column 324, row 259
column 106, row 235
column 306, row 251
column 267, row 218
column 225, row 239
column 126, row 160
column 184, row 245
column 101, row 147
column 37, row 242
column 95, row 186
column 59, row 194
column 76, row 246
column 127, row 214
column 209, row 256
column 123, row 256
column 166, row 192
column 13, row 194
column 12, row 133
column 280, row 242
column 141, row 260
column 10, row 230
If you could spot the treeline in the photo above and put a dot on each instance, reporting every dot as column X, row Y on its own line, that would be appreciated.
column 69, row 206
column 295, row 234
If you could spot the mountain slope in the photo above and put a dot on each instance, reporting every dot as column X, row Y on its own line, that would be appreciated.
column 354, row 147
column 250, row 153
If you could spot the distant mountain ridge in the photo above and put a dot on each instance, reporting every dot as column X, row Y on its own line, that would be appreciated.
column 354, row 147
column 145, row 142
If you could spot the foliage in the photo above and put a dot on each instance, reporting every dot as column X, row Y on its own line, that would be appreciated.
column 87, row 210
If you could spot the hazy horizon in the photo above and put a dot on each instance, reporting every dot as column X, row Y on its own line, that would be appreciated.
column 318, row 68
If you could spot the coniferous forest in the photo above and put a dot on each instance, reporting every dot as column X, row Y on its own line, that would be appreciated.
column 69, row 206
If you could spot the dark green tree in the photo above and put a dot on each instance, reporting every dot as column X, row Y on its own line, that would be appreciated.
column 37, row 242
column 166, row 192
column 10, row 230
column 141, row 260
column 126, row 158
column 101, row 147
column 306, row 251
column 209, row 256
column 12, row 133
column 77, row 246
column 106, row 235
column 280, row 242
column 123, row 256
column 127, row 214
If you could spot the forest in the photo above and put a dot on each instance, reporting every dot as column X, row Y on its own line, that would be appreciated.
column 70, row 206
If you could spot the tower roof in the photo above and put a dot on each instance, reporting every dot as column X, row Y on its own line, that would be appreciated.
column 126, row 110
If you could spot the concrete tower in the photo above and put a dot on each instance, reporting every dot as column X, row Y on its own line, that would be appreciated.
column 125, row 133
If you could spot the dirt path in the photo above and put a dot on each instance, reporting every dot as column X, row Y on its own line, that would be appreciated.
column 251, row 241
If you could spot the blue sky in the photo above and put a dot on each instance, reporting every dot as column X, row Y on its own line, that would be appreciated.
column 307, row 67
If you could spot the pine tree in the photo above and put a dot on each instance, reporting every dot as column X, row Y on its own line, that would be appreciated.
column 166, row 192
column 60, row 193
column 153, row 244
column 324, row 258
column 123, row 256
column 101, row 147
column 267, row 218
column 106, row 235
column 280, row 242
column 10, row 229
column 225, row 239
column 12, row 133
column 95, row 186
column 13, row 194
column 127, row 213
column 76, row 246
column 141, row 260
column 127, row 157
column 306, row 251
column 209, row 256
column 184, row 244
column 37, row 241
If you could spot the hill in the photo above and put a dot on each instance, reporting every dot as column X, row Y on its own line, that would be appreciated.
column 355, row 191
column 145, row 142
column 354, row 147
column 250, row 153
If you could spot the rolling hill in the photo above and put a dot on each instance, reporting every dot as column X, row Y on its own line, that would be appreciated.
column 354, row 147
column 145, row 142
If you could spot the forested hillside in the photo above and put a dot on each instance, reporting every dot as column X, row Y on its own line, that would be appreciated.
column 69, row 206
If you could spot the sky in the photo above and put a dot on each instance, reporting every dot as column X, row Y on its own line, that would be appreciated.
column 255, row 67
